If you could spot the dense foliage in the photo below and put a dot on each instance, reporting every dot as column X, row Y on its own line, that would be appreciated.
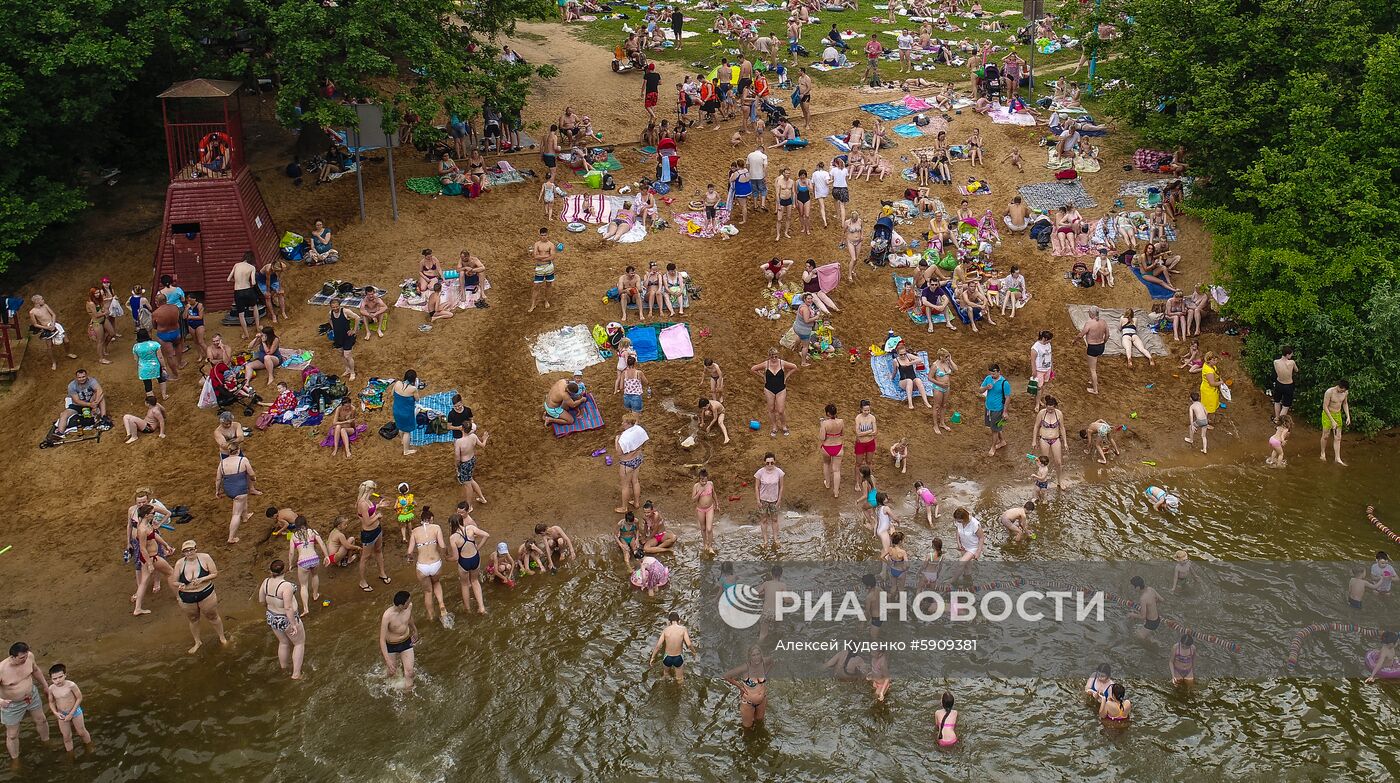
column 78, row 77
column 1289, row 110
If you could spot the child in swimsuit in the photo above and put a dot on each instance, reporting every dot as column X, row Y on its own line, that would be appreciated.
column 947, row 719
column 899, row 452
column 501, row 566
column 1183, row 663
column 1277, row 440
column 1042, row 478
column 925, row 502
column 407, row 509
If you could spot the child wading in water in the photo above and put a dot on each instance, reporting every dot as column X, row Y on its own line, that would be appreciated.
column 1277, row 441
column 925, row 502
column 66, row 703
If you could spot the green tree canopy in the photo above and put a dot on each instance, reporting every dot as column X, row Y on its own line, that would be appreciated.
column 78, row 77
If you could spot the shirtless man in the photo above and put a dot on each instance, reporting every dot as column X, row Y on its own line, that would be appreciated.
column 21, row 683
column 1284, row 369
column 1018, row 215
column 229, row 433
column 542, row 252
column 397, row 635
column 1335, row 405
column 464, row 451
column 166, row 319
column 1094, row 334
column 629, row 289
column 560, row 547
column 804, row 87
column 549, row 149
column 1149, row 607
column 674, row 640
column 44, row 323
column 563, row 398
column 783, row 188
column 712, row 413
column 245, row 293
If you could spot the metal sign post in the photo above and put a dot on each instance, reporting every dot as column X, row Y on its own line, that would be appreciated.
column 371, row 125
column 359, row 177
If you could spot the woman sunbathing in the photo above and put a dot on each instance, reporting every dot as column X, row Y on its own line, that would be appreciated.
column 622, row 222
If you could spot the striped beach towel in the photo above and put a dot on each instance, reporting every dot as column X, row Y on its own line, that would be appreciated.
column 586, row 417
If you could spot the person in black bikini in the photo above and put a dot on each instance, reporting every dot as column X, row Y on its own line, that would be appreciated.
column 467, row 536
column 847, row 665
column 279, row 595
column 775, row 372
column 195, row 574
column 753, row 688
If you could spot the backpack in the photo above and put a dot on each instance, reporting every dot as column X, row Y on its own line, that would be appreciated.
column 389, row 431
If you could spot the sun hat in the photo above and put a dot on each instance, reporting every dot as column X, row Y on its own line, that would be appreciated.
column 1180, row 556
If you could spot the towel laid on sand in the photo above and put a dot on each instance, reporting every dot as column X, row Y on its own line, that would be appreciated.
column 565, row 350
column 1003, row 116
column 882, row 367
column 636, row 233
column 354, row 436
column 675, row 342
column 586, row 417
column 698, row 218
column 1046, row 196
column 645, row 343
column 598, row 209
column 1154, row 290
column 1079, row 314
column 441, row 403
column 888, row 111
column 908, row 130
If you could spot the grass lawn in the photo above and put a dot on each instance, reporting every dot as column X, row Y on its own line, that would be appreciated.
column 702, row 53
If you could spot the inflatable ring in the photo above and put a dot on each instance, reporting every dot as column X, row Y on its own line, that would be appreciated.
column 221, row 136
column 1391, row 672
column 576, row 227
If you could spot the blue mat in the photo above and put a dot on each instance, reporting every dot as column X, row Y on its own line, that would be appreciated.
column 882, row 367
column 901, row 283
column 908, row 130
column 888, row 111
column 1157, row 291
column 440, row 402
column 644, row 342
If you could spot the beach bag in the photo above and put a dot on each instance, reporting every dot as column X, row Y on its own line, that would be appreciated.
column 452, row 189
column 115, row 309
column 1066, row 174
column 389, row 431
column 789, row 339
column 144, row 320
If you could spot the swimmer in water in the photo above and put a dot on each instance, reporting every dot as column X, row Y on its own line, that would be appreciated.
column 66, row 704
column 1181, row 572
column 1099, row 682
column 397, row 635
column 1149, row 607
column 1385, row 656
column 1114, row 705
column 674, row 639
column 751, row 679
column 1356, row 588
column 1183, row 661
column 1017, row 520
column 947, row 719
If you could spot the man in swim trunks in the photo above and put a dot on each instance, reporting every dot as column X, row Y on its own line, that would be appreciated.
column 464, row 448
column 166, row 319
column 43, row 322
column 244, row 277
column 1018, row 216
column 397, row 635
column 542, row 253
column 549, row 149
column 1284, row 369
column 675, row 639
column 1335, row 407
column 563, row 398
column 21, row 685
column 1149, row 607
column 629, row 287
column 1357, row 587
column 1094, row 334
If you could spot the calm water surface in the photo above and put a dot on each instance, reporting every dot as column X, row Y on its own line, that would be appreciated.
column 552, row 685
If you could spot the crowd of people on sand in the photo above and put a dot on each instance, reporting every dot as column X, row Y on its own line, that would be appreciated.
column 170, row 323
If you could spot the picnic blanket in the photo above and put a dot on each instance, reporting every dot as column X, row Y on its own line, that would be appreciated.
column 983, row 189
column 1138, row 220
column 888, row 111
column 1139, row 189
column 426, row 186
column 1002, row 115
column 439, row 403
column 908, row 130
column 346, row 300
column 828, row 276
column 824, row 67
column 565, row 350
column 839, row 143
column 586, row 417
column 675, row 342
column 645, row 343
column 1045, row 196
column 509, row 177
column 1079, row 314
column 1156, row 291
column 915, row 103
column 882, row 367
column 611, row 164
column 680, row 219
column 636, row 233
column 1149, row 160
column 293, row 358
column 354, row 436
column 452, row 292
column 1080, row 163
column 600, row 208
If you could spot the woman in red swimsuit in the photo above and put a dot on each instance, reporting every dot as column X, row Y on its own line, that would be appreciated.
column 831, row 430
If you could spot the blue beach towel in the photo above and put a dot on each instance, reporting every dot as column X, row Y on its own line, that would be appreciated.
column 908, row 130
column 1157, row 291
column 887, row 111
column 645, row 343
column 440, row 402
column 586, row 417
column 882, row 367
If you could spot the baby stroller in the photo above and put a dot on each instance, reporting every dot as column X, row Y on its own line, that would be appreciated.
column 230, row 390
column 991, row 82
column 773, row 110
column 880, row 244
column 86, row 424
column 667, row 168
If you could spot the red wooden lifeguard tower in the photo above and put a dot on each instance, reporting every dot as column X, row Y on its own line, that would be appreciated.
column 213, row 210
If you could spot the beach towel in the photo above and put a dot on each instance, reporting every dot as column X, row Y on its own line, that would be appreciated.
column 427, row 186
column 1138, row 220
column 644, row 343
column 828, row 276
column 915, row 103
column 292, row 358
column 1149, row 160
column 1045, row 196
column 825, row 67
column 354, row 436
column 839, row 143
column 983, row 189
column 1004, row 116
column 440, row 403
column 1156, row 291
column 586, row 417
column 675, row 342
column 683, row 219
column 599, row 209
column 453, row 295
column 1079, row 314
column 565, row 350
column 611, row 164
column 887, row 111
column 908, row 130
column 1140, row 188
column 494, row 178
column 882, row 367
column 346, row 300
